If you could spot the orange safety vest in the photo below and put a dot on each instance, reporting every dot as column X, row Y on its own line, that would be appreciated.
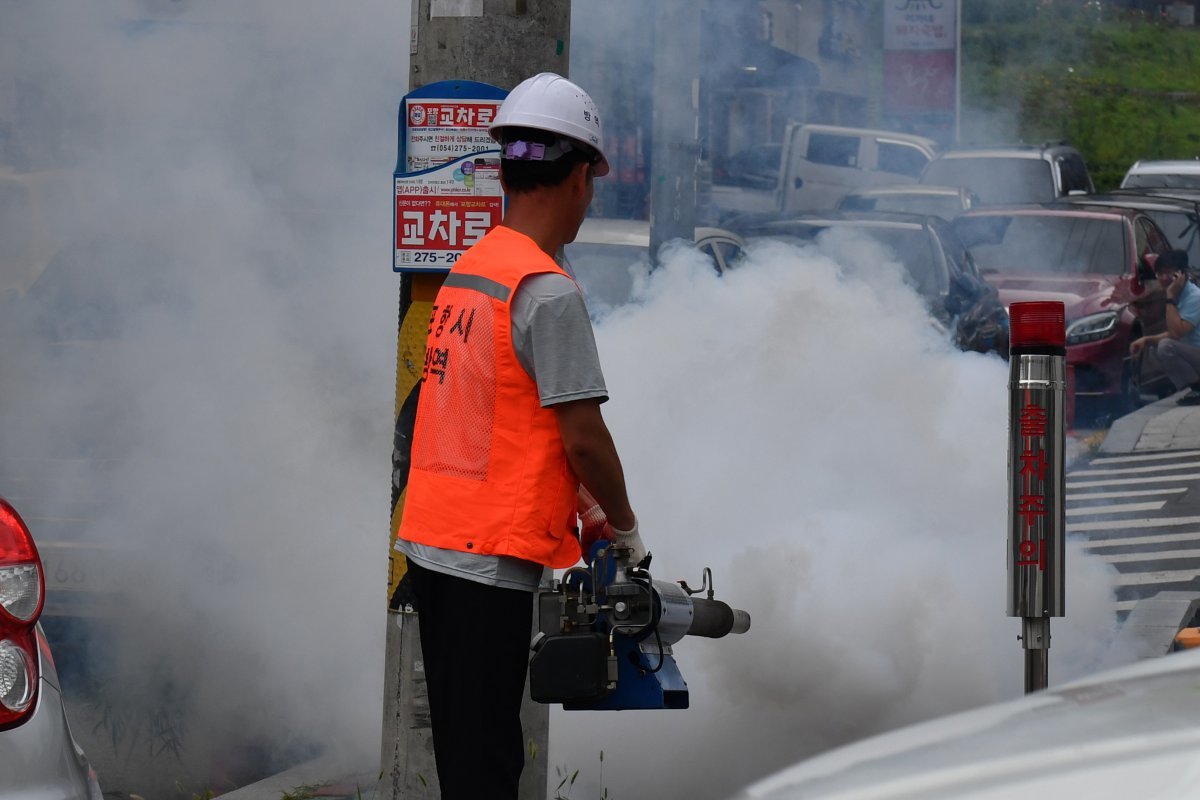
column 489, row 473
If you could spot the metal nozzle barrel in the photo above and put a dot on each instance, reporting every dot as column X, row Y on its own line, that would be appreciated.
column 714, row 619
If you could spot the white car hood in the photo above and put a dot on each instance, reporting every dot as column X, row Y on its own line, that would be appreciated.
column 1133, row 732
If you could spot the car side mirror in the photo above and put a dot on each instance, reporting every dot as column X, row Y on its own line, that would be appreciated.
column 1145, row 272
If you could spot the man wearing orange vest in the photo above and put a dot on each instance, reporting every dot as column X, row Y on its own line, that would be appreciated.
column 508, row 435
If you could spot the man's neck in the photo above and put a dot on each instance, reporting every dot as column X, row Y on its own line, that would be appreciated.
column 538, row 218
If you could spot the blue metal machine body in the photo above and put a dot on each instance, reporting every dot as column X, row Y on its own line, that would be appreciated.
column 639, row 686
column 645, row 680
column 606, row 633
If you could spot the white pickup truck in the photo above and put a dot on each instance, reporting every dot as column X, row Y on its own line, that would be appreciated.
column 820, row 163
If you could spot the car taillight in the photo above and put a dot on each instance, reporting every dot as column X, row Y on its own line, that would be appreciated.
column 18, row 679
column 22, row 593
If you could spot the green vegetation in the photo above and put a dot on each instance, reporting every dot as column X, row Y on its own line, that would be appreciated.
column 305, row 792
column 1117, row 87
column 567, row 782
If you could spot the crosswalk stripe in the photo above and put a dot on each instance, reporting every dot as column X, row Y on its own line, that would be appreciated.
column 1147, row 457
column 1134, row 493
column 1096, row 545
column 1117, row 508
column 1147, row 578
column 1154, row 475
column 1133, row 481
column 1135, row 470
column 1162, row 555
column 1120, row 524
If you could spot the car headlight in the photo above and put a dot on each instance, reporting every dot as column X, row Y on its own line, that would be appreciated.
column 1093, row 327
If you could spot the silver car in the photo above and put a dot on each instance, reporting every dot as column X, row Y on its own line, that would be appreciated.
column 1163, row 175
column 1130, row 732
column 39, row 758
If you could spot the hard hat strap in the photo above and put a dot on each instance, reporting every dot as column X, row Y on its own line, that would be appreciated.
column 535, row 151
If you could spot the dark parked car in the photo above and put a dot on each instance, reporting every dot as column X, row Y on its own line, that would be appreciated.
column 1178, row 216
column 937, row 265
column 1099, row 262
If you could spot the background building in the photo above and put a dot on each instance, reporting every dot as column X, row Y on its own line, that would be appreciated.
column 762, row 65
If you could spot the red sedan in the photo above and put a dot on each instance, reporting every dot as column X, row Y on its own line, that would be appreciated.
column 1099, row 263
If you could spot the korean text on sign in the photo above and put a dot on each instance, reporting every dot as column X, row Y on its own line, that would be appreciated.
column 447, row 114
column 1031, row 506
column 435, row 231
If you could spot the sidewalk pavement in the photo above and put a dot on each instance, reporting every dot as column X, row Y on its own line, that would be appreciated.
column 320, row 779
column 1159, row 426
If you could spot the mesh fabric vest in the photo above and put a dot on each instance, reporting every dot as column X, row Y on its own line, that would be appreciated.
column 489, row 474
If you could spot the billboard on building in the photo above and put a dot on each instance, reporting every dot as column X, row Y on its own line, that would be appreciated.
column 920, row 67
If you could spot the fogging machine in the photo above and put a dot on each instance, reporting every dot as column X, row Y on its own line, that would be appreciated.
column 606, row 631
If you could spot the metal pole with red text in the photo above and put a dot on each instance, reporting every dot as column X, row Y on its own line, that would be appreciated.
column 1036, row 444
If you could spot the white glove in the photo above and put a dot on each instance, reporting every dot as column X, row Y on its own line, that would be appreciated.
column 631, row 539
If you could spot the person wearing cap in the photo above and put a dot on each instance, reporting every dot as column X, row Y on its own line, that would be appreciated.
column 508, row 437
column 1178, row 347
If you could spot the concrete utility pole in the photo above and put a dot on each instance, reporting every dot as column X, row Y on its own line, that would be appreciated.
column 675, row 150
column 500, row 42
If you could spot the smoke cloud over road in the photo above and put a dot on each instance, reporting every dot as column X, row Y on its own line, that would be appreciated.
column 214, row 341
column 212, row 355
column 798, row 426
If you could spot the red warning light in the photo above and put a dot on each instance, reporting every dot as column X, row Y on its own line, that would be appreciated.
column 1039, row 324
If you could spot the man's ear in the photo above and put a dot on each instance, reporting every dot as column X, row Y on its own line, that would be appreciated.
column 580, row 175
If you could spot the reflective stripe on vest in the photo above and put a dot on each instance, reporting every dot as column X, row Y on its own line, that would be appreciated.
column 489, row 474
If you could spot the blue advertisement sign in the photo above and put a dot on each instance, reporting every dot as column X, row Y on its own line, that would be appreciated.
column 447, row 177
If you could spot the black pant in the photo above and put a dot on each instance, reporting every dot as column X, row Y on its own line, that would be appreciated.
column 475, row 644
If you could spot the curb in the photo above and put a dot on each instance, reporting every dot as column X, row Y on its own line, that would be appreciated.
column 1150, row 629
column 310, row 779
column 1125, row 432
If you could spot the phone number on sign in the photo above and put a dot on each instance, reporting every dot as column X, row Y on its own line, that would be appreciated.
column 432, row 258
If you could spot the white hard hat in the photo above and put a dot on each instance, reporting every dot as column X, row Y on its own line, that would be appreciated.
column 549, row 102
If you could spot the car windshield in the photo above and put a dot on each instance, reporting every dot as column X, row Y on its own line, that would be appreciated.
column 1182, row 231
column 914, row 250
column 912, row 247
column 1045, row 244
column 995, row 180
column 1176, row 181
column 605, row 271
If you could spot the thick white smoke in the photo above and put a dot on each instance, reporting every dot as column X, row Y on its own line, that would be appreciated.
column 798, row 426
column 232, row 364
